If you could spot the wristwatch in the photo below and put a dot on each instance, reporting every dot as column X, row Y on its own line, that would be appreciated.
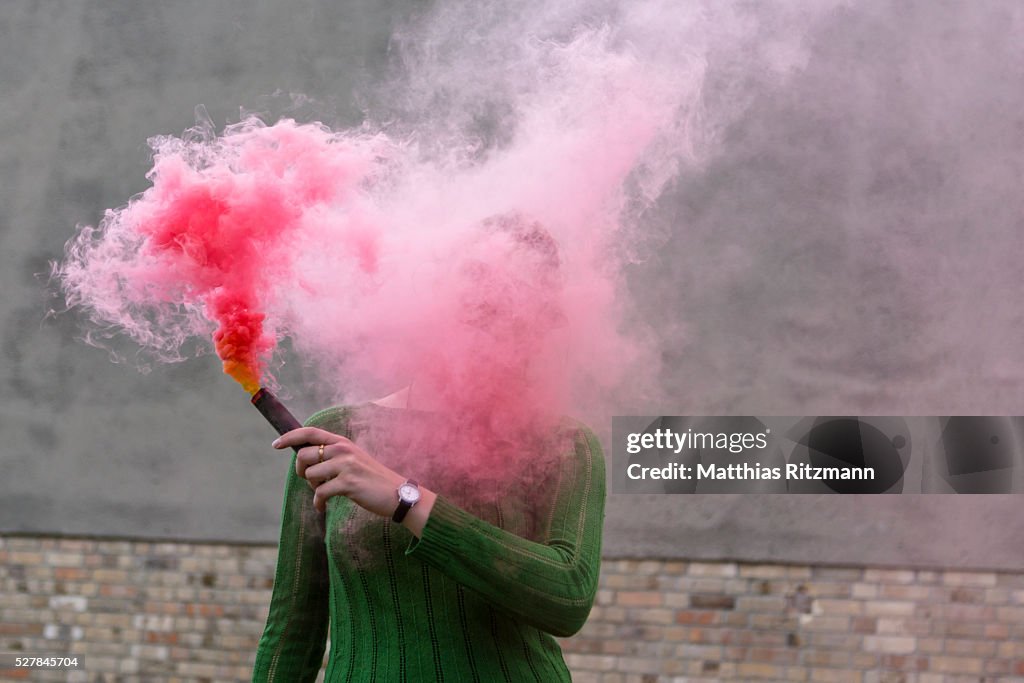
column 408, row 495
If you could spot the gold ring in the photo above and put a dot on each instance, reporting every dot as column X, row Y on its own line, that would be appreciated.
column 320, row 451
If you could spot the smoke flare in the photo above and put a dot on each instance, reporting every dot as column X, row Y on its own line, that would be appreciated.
column 207, row 242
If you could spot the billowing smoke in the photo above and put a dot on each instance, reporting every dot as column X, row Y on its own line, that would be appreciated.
column 609, row 207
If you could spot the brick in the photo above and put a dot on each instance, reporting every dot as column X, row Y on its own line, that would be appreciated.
column 639, row 599
column 960, row 629
column 1012, row 615
column 889, row 608
column 773, row 655
column 957, row 665
column 192, row 564
column 705, row 636
column 592, row 662
column 965, row 612
column 1010, row 650
column 24, row 557
column 890, row 644
column 68, row 602
column 41, row 572
column 674, row 567
column 846, row 607
column 984, row 579
column 56, row 559
column 761, row 603
column 716, row 569
column 24, row 629
column 763, row 571
column 998, row 667
column 614, row 566
column 999, row 596
column 755, row 638
column 712, row 601
column 120, row 620
column 701, row 652
column 966, row 594
column 864, row 660
column 653, row 616
column 997, row 631
column 834, row 676
column 695, row 617
column 759, row 670
column 704, row 584
column 902, row 626
column 828, row 623
column 648, row 567
column 972, row 648
column 119, row 591
column 826, row 658
column 1010, row 580
column 773, row 621
column 899, row 592
column 676, row 600
column 766, row 587
column 888, row 576
column 864, row 625
column 110, row 576
column 839, row 641
column 848, row 574
column 829, row 589
column 904, row 663
column 70, row 573
column 631, row 631
column 631, row 582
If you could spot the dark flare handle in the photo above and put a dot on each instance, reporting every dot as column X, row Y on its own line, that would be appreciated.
column 279, row 417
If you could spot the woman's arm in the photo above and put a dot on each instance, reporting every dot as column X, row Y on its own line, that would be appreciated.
column 293, row 642
column 549, row 584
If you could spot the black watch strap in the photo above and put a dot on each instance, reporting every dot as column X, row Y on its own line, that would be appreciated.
column 403, row 505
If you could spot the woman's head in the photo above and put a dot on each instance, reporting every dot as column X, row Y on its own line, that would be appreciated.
column 510, row 277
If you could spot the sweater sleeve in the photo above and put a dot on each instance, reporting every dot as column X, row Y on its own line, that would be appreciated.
column 293, row 642
column 549, row 584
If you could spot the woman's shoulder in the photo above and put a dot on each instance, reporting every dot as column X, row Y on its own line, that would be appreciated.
column 334, row 419
column 581, row 435
column 573, row 425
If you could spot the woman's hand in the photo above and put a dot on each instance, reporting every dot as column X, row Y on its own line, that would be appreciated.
column 345, row 469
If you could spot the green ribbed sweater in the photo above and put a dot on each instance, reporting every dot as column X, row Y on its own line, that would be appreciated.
column 470, row 600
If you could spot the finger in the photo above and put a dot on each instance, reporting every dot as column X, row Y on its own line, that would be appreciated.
column 319, row 472
column 306, row 457
column 327, row 490
column 305, row 436
column 310, row 455
column 317, row 482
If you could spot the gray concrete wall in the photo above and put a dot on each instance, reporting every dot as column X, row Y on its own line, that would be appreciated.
column 90, row 446
column 811, row 322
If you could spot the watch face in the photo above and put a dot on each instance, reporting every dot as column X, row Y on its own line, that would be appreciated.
column 409, row 493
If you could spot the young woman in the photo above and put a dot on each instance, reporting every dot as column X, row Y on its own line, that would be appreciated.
column 424, row 569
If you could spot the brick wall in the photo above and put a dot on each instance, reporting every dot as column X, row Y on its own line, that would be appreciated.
column 711, row 621
column 156, row 612
column 137, row 611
